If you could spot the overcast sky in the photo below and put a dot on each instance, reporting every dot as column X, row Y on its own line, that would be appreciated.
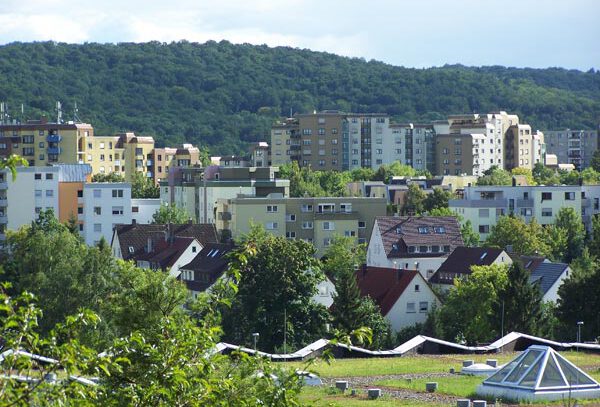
column 414, row 33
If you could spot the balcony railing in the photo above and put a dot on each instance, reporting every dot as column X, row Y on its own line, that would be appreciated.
column 3, row 202
column 525, row 203
column 3, row 219
column 54, row 150
column 225, row 215
column 53, row 138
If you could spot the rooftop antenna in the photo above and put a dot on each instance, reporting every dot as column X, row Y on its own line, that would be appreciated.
column 291, row 112
column 75, row 114
column 58, row 112
column 4, row 116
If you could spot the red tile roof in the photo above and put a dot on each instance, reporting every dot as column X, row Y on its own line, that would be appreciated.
column 400, row 232
column 384, row 285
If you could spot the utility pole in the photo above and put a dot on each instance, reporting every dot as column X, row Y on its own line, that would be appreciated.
column 285, row 331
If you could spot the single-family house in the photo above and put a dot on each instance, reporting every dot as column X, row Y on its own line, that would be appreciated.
column 413, row 242
column 459, row 263
column 206, row 267
column 404, row 296
column 549, row 277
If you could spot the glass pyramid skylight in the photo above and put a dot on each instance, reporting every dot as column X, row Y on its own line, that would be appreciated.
column 539, row 373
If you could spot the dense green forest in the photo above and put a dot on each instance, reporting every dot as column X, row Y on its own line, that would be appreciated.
column 219, row 94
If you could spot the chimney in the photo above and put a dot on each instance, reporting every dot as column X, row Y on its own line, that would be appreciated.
column 514, row 181
column 149, row 245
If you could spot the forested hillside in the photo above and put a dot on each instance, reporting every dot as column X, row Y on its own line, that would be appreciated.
column 217, row 94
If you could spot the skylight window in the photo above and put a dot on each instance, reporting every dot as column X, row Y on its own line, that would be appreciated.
column 423, row 230
column 439, row 230
column 131, row 249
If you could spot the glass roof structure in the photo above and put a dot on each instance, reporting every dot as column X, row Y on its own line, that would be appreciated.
column 539, row 373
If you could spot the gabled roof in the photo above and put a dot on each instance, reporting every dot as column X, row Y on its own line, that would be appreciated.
column 136, row 236
column 211, row 262
column 165, row 253
column 400, row 232
column 461, row 260
column 384, row 285
column 530, row 263
column 546, row 274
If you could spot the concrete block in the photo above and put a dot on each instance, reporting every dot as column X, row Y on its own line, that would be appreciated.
column 342, row 385
column 463, row 403
column 374, row 393
column 492, row 362
column 467, row 363
column 479, row 403
column 431, row 387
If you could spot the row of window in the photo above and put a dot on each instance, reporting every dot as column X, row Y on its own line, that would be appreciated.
column 411, row 307
column 427, row 249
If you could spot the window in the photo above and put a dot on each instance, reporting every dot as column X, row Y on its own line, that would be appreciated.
column 102, row 145
column 546, row 211
column 525, row 211
column 326, row 241
column 290, row 235
column 117, row 210
column 423, row 230
column 446, row 249
column 27, row 139
column 321, row 131
column 440, row 230
column 306, row 132
column 49, row 176
column 307, row 225
column 569, row 196
column 484, row 228
column 423, row 306
column 306, row 208
column 410, row 307
column 346, row 207
column 49, row 193
column 271, row 208
column 546, row 196
column 117, row 193
column 38, row 209
column 97, row 227
column 97, row 210
column 422, row 249
column 328, row 225
column 80, row 210
column 135, row 209
column 350, row 233
column 97, row 193
column 362, row 224
column 417, row 288
column 38, row 193
column 484, row 213
column 272, row 225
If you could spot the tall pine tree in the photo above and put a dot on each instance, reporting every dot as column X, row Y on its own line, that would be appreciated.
column 522, row 301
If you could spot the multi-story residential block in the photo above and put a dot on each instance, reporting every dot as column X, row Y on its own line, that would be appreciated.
column 419, row 243
column 315, row 220
column 142, row 210
column 163, row 159
column 572, row 146
column 483, row 205
column 523, row 148
column 106, row 204
column 462, row 154
column 42, row 143
column 197, row 190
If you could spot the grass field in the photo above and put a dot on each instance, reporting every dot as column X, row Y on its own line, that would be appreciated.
column 377, row 368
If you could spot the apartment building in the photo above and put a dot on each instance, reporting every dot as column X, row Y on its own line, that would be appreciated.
column 572, row 146
column 106, row 204
column 462, row 154
column 260, row 154
column 483, row 205
column 523, row 147
column 197, row 190
column 43, row 143
column 316, row 220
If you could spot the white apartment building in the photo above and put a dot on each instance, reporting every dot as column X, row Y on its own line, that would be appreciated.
column 35, row 189
column 142, row 210
column 106, row 204
column 483, row 205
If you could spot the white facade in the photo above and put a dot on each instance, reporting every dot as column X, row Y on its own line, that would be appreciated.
column 142, row 210
column 105, row 205
column 325, row 293
column 376, row 257
column 413, row 305
column 34, row 190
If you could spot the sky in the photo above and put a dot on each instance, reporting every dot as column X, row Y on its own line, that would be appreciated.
column 411, row 33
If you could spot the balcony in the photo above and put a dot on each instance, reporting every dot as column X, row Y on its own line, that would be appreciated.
column 295, row 147
column 3, row 185
column 149, row 163
column 117, row 162
column 3, row 219
column 53, row 138
column 3, row 202
column 224, row 215
column 525, row 203
column 54, row 150
column 478, row 203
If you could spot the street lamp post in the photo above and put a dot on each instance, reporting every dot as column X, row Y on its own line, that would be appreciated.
column 579, row 323
column 255, row 336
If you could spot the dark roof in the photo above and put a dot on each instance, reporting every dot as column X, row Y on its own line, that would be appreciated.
column 136, row 236
column 546, row 275
column 208, row 266
column 461, row 260
column 384, row 285
column 165, row 253
column 529, row 262
column 400, row 232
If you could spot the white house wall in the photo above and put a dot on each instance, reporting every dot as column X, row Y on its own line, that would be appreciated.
column 186, row 257
column 146, row 209
column 399, row 317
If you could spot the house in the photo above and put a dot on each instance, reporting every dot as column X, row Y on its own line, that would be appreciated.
column 131, row 241
column 404, row 296
column 459, row 264
column 169, row 254
column 206, row 267
column 549, row 277
column 413, row 242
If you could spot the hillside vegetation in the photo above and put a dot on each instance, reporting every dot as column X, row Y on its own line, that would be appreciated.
column 219, row 94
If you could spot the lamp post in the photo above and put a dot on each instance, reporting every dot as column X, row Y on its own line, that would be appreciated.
column 579, row 323
column 255, row 336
